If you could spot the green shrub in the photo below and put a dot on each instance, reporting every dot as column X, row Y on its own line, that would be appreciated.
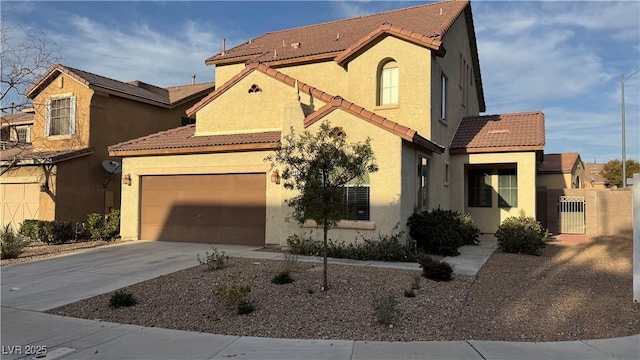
column 104, row 227
column 29, row 229
column 11, row 244
column 214, row 261
column 435, row 269
column 442, row 232
column 235, row 294
column 409, row 293
column 521, row 234
column 121, row 298
column 245, row 307
column 385, row 309
column 283, row 277
column 385, row 248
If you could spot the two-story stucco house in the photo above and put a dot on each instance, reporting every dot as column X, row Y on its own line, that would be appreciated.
column 408, row 79
column 58, row 173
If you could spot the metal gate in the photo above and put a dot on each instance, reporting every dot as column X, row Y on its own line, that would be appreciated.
column 572, row 214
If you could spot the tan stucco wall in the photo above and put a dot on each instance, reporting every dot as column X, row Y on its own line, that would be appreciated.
column 224, row 73
column 555, row 181
column 327, row 76
column 488, row 219
column 237, row 110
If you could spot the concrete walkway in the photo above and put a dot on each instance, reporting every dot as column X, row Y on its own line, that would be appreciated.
column 26, row 332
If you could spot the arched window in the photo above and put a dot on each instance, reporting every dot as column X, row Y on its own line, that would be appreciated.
column 388, row 83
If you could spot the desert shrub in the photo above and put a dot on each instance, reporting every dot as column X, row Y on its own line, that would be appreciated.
column 236, row 295
column 409, row 293
column 415, row 283
column 392, row 247
column 245, row 307
column 283, row 277
column 385, row 309
column 29, row 229
column 104, row 227
column 434, row 269
column 521, row 234
column 290, row 260
column 11, row 244
column 214, row 261
column 122, row 298
column 442, row 232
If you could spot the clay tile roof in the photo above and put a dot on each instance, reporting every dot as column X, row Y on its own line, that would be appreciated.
column 501, row 132
column 425, row 21
column 136, row 89
column 183, row 140
column 16, row 119
column 592, row 173
column 558, row 163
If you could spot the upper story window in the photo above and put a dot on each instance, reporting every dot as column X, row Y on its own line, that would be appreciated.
column 22, row 133
column 61, row 116
column 443, row 97
column 388, row 83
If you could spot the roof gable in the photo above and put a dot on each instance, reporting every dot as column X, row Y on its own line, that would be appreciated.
column 559, row 163
column 333, row 103
column 500, row 132
column 135, row 90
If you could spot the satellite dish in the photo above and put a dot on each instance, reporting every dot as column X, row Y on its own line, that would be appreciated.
column 113, row 167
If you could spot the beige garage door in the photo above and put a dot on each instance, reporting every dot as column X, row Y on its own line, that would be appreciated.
column 216, row 209
column 19, row 202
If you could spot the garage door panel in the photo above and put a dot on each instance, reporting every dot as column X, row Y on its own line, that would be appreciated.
column 19, row 202
column 227, row 208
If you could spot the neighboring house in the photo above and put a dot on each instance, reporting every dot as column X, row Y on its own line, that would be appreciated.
column 16, row 128
column 593, row 178
column 77, row 114
column 408, row 79
column 562, row 171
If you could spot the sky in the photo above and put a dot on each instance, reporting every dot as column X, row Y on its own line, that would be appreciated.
column 565, row 58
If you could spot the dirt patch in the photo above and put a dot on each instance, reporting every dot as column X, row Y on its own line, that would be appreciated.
column 570, row 292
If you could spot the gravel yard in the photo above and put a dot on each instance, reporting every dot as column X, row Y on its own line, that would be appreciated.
column 580, row 291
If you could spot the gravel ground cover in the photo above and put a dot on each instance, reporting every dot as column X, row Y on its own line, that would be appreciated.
column 37, row 250
column 570, row 292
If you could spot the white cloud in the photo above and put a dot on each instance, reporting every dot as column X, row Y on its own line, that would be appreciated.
column 140, row 52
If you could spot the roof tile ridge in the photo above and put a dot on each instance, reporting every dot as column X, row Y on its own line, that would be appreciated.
column 356, row 17
column 189, row 85
column 454, row 18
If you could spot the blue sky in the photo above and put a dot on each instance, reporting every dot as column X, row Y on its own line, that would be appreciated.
column 564, row 58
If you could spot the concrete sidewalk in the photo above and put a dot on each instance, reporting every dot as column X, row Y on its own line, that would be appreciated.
column 45, row 284
column 70, row 338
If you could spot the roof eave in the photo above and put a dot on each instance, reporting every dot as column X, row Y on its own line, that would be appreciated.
column 496, row 149
column 195, row 150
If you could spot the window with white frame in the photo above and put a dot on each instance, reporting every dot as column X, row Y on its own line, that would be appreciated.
column 422, row 196
column 22, row 133
column 443, row 97
column 61, row 116
column 507, row 188
column 388, row 84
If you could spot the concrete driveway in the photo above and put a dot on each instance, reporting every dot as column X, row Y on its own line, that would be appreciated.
column 46, row 284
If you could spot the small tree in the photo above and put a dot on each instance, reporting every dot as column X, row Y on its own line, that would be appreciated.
column 612, row 171
column 319, row 166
